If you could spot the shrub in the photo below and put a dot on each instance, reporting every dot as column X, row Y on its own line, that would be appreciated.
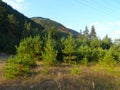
column 31, row 46
column 16, row 67
column 109, row 59
column 69, row 47
column 24, row 60
column 85, row 61
column 75, row 70
column 50, row 53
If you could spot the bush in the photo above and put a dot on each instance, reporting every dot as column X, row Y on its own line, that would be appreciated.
column 75, row 70
column 85, row 61
column 50, row 53
column 68, row 49
column 24, row 60
column 109, row 59
column 16, row 67
column 31, row 46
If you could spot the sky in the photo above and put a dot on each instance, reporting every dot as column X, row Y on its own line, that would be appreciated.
column 76, row 14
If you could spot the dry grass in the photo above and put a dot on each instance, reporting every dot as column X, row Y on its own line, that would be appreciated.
column 60, row 78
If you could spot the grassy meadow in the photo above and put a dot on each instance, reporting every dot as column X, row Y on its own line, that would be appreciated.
column 65, row 77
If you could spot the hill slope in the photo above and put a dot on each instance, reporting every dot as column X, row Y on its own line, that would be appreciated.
column 13, row 27
column 48, row 24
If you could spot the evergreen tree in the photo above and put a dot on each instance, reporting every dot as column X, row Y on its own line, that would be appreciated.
column 69, row 47
column 25, row 59
column 31, row 46
column 53, row 32
column 84, row 52
column 13, row 23
column 86, row 32
column 106, row 42
column 95, row 43
column 27, row 26
column 93, row 33
column 109, row 59
column 50, row 53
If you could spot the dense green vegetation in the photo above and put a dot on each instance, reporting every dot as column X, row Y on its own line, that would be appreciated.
column 14, row 26
column 47, row 41
column 47, row 23
column 47, row 55
column 28, row 53
column 82, row 50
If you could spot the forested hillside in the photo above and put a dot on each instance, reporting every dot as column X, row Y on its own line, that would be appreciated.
column 47, row 23
column 13, row 27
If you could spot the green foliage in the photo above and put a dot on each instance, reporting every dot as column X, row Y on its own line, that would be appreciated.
column 31, row 46
column 57, row 30
column 84, row 52
column 75, row 70
column 106, row 42
column 50, row 53
column 85, row 61
column 12, row 28
column 17, row 30
column 101, row 54
column 17, row 66
column 93, row 33
column 25, row 59
column 54, row 33
column 95, row 43
column 109, row 59
column 69, row 47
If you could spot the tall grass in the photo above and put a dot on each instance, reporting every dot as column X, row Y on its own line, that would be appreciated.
column 60, row 78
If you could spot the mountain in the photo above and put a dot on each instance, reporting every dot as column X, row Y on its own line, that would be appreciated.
column 14, row 26
column 48, row 24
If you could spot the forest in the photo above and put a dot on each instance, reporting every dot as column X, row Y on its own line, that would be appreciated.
column 34, row 44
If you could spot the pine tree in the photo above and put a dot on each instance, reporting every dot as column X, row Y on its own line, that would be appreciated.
column 13, row 23
column 25, row 59
column 106, row 42
column 53, row 32
column 93, row 33
column 69, row 47
column 50, row 53
column 86, row 32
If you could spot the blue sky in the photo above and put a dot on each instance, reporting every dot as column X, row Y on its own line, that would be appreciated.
column 76, row 14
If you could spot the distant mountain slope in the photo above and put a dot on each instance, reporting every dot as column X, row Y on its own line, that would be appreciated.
column 13, row 27
column 47, row 24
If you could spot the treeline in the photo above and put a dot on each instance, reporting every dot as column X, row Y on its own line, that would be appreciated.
column 87, row 47
column 14, row 26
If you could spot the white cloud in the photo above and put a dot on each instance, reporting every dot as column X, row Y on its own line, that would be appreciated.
column 17, row 4
column 110, row 28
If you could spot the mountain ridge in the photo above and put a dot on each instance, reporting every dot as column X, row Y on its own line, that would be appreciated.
column 15, row 26
column 48, row 23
